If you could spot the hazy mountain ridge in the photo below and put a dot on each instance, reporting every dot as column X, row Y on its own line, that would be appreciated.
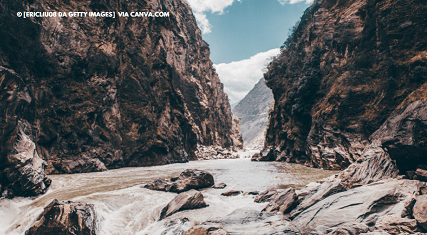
column 253, row 113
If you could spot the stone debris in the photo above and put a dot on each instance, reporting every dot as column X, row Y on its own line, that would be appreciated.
column 215, row 152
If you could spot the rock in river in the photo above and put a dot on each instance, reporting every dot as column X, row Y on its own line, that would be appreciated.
column 188, row 179
column 219, row 186
column 65, row 218
column 184, row 201
column 231, row 193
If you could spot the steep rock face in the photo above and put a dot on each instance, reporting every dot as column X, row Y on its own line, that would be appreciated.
column 113, row 92
column 22, row 171
column 253, row 113
column 346, row 68
column 236, row 135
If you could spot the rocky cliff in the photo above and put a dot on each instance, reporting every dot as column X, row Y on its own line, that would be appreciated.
column 346, row 68
column 253, row 112
column 102, row 92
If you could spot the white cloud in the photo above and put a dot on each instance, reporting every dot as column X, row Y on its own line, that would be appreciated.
column 239, row 77
column 199, row 8
column 295, row 1
column 203, row 22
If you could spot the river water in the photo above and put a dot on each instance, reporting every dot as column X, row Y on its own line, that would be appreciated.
column 124, row 207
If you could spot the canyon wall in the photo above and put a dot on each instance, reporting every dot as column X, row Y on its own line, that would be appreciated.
column 346, row 68
column 100, row 92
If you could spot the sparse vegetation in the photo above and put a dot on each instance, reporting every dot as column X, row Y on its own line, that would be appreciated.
column 293, row 32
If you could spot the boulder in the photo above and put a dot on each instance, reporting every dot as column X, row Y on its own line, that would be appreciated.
column 183, row 201
column 219, row 186
column 65, row 218
column 247, row 222
column 231, row 193
column 365, row 204
column 266, row 195
column 282, row 202
column 267, row 154
column 253, row 193
column 317, row 194
column 188, row 179
column 420, row 211
column 421, row 174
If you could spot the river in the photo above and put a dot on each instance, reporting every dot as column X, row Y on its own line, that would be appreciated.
column 125, row 208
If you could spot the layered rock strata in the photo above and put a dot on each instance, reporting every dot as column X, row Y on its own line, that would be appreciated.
column 101, row 92
column 345, row 69
column 370, row 206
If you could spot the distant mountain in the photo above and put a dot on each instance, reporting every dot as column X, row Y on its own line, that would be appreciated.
column 253, row 112
column 234, row 104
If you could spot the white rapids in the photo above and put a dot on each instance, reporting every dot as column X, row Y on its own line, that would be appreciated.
column 125, row 208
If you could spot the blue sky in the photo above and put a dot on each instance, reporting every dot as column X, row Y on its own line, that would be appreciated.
column 244, row 36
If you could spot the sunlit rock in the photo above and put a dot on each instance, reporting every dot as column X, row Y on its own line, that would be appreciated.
column 188, row 179
column 366, row 204
column 282, row 202
column 66, row 218
column 247, row 222
column 184, row 201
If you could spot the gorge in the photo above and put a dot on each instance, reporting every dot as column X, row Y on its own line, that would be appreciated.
column 98, row 112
